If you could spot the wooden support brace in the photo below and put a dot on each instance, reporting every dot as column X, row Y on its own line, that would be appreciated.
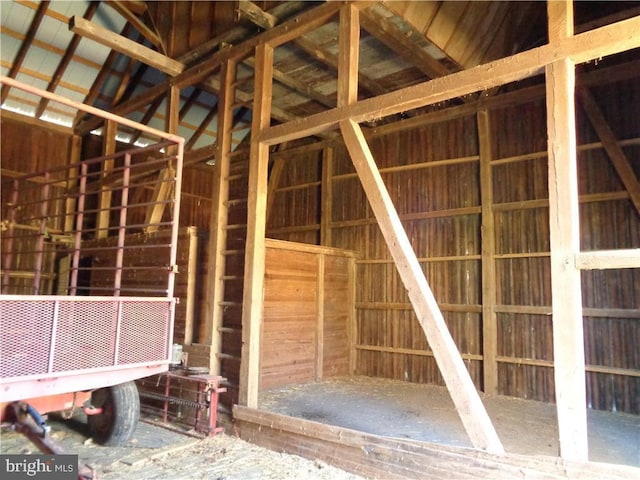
column 620, row 161
column 463, row 392
column 161, row 193
column 255, row 246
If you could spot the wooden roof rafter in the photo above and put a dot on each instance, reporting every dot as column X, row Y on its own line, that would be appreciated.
column 148, row 115
column 385, row 31
column 266, row 20
column 132, row 11
column 211, row 114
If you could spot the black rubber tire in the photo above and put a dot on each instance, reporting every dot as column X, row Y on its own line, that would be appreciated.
column 120, row 414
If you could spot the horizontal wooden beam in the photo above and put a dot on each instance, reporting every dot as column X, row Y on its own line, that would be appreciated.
column 376, row 456
column 584, row 47
column 125, row 46
column 608, row 259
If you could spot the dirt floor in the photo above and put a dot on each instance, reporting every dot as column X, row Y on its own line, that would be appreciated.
column 426, row 413
column 156, row 453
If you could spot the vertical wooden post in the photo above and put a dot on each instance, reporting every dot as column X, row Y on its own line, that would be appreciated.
column 326, row 196
column 192, row 269
column 75, row 152
column 252, row 300
column 352, row 319
column 320, row 297
column 219, row 216
column 489, row 320
column 348, row 59
column 348, row 55
column 568, row 337
column 108, row 148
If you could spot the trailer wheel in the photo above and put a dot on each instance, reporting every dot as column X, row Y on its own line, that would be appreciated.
column 120, row 413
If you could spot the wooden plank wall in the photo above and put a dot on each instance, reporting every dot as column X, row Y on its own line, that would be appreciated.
column 433, row 175
column 30, row 148
column 307, row 311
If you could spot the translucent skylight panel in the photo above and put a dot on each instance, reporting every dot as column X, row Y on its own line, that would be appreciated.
column 41, row 61
column 15, row 16
column 54, row 32
column 92, row 51
column 70, row 94
column 196, row 115
column 9, row 47
column 79, row 75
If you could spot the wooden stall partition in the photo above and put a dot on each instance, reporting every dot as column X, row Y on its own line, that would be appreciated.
column 308, row 313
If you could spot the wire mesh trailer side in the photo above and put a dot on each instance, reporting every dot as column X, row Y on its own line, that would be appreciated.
column 58, row 344
column 74, row 313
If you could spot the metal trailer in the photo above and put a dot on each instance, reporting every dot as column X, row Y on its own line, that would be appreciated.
column 76, row 330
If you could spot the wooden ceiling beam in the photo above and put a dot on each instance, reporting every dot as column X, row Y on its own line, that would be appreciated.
column 278, row 35
column 256, row 15
column 583, row 47
column 296, row 85
column 124, row 9
column 388, row 33
column 211, row 114
column 125, row 46
column 24, row 47
column 282, row 11
column 264, row 20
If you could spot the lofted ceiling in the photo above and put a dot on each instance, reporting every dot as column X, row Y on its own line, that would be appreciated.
column 109, row 54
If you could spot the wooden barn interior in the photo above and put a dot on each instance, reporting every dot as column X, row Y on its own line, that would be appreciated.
column 441, row 195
